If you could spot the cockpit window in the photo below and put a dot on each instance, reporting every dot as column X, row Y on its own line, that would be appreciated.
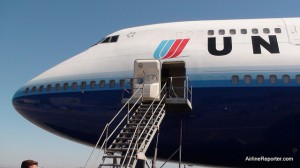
column 106, row 40
column 110, row 39
column 114, row 39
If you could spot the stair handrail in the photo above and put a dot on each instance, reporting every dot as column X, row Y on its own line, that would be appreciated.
column 188, row 86
column 108, row 124
column 151, row 105
column 128, row 112
column 135, row 146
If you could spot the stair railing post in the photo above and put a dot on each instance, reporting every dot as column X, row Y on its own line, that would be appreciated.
column 128, row 113
column 180, row 146
column 105, row 147
column 186, row 89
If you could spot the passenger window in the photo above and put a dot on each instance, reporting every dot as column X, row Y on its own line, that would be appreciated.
column 112, row 83
column 260, row 79
column 247, row 79
column 286, row 79
column 66, row 86
column 235, row 79
column 273, row 79
column 232, row 31
column 102, row 83
column 243, row 31
column 298, row 78
column 92, row 84
column 140, row 80
column 221, row 32
column 266, row 30
column 277, row 30
column 57, row 87
column 26, row 90
column 255, row 31
column 48, row 88
column 41, row 88
column 33, row 89
column 83, row 85
column 122, row 83
column 74, row 85
column 210, row 32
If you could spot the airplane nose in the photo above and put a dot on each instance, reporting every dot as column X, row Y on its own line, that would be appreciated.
column 26, row 105
column 58, row 113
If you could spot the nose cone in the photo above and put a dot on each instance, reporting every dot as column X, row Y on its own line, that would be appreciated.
column 25, row 104
column 58, row 113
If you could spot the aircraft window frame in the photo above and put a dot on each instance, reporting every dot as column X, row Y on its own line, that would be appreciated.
column 66, row 86
column 286, row 79
column 48, row 89
column 83, row 85
column 266, row 30
column 92, row 84
column 277, row 30
column 33, row 89
column 232, row 31
column 122, row 83
column 243, row 31
column 41, row 88
column 247, row 79
column 260, row 79
column 273, row 79
column 26, row 90
column 297, row 78
column 102, row 84
column 106, row 40
column 254, row 31
column 57, row 87
column 210, row 32
column 131, row 82
column 74, row 85
column 114, row 39
column 235, row 79
column 221, row 32
column 112, row 83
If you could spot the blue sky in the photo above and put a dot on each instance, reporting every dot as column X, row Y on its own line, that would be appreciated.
column 36, row 35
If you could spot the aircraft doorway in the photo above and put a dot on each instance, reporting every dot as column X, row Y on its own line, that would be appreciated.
column 176, row 84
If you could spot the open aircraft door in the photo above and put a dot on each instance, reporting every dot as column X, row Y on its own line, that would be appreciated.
column 147, row 74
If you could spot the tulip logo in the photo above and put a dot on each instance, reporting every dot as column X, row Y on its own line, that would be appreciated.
column 170, row 48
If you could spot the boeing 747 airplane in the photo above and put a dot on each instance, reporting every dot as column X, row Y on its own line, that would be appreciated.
column 233, row 84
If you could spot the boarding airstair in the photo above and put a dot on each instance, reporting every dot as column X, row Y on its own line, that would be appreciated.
column 126, row 138
column 134, row 139
column 132, row 142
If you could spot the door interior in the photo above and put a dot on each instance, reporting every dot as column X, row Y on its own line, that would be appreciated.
column 176, row 84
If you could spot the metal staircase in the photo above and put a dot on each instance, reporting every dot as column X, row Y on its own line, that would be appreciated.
column 134, row 139
column 135, row 125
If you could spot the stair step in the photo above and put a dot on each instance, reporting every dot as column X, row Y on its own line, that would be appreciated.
column 136, row 123
column 147, row 116
column 128, row 138
column 126, row 133
column 119, row 150
column 112, row 165
column 123, row 143
column 133, row 128
column 115, row 156
column 146, row 120
column 145, row 110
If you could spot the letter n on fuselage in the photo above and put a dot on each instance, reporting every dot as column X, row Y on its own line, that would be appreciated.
column 272, row 47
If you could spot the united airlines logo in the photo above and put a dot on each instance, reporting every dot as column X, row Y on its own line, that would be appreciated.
column 170, row 48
